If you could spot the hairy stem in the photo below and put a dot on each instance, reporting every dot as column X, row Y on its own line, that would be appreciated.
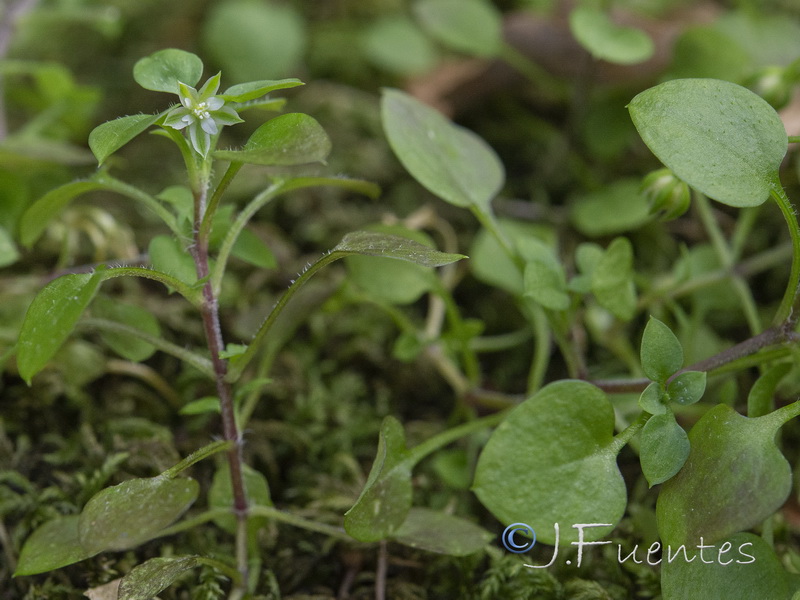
column 209, row 311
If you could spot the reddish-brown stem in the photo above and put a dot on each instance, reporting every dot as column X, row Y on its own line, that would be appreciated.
column 209, row 310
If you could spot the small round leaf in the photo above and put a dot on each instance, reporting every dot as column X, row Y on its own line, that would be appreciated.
column 162, row 70
column 664, row 448
column 661, row 352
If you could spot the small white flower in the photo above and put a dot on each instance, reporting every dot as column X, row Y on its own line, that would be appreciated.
column 201, row 114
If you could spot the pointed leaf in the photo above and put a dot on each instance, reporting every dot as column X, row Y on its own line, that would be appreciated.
column 34, row 220
column 133, row 512
column 396, row 281
column 53, row 545
column 661, row 352
column 450, row 161
column 606, row 40
column 109, row 137
column 50, row 319
column 250, row 248
column 162, row 70
column 292, row 139
column 244, row 92
column 153, row 576
column 553, row 460
column 743, row 566
column 385, row 500
column 734, row 478
column 439, row 532
column 370, row 243
column 664, row 448
column 470, row 26
column 721, row 138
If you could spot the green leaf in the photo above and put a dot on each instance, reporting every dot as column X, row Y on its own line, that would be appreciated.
column 253, row 40
column 244, row 92
column 8, row 250
column 52, row 546
column 201, row 406
column 162, row 70
column 687, row 388
column 368, row 243
column 153, row 576
column 385, row 501
column 220, row 495
column 109, row 137
column 127, row 346
column 721, row 138
column 492, row 265
column 395, row 43
column 743, row 566
column 291, row 139
column 652, row 399
column 612, row 280
column 544, row 279
column 51, row 318
column 664, row 448
column 760, row 399
column 168, row 256
column 553, row 460
column 661, row 352
column 450, row 161
column 249, row 248
column 469, row 26
column 439, row 532
column 133, row 512
column 734, row 478
column 34, row 220
column 606, row 40
column 398, row 281
column 616, row 208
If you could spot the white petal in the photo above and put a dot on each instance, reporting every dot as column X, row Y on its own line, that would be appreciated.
column 215, row 103
column 209, row 126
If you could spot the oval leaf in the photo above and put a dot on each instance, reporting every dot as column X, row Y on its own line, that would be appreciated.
column 743, row 566
column 53, row 545
column 8, row 250
column 439, row 532
column 51, row 318
column 734, row 478
column 687, row 388
column 133, row 512
column 661, row 352
column 606, row 40
column 552, row 460
column 612, row 280
column 162, row 70
column 470, row 26
column 719, row 137
column 450, row 161
column 664, row 448
column 220, row 495
column 109, row 137
column 153, row 576
column 292, row 139
column 128, row 346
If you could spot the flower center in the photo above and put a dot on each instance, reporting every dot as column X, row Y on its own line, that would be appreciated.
column 200, row 110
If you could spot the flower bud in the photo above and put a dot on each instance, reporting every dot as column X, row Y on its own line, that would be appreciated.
column 773, row 85
column 668, row 196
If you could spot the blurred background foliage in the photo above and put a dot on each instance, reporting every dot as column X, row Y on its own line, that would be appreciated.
column 573, row 164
